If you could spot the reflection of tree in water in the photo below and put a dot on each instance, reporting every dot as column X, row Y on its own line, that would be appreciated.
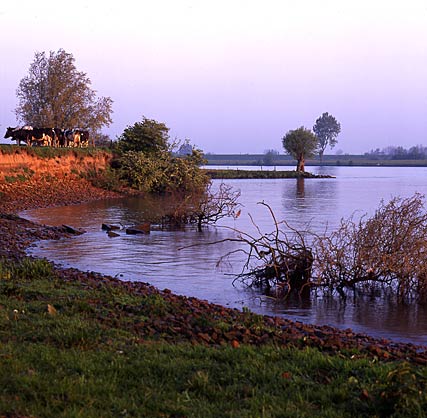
column 303, row 200
column 300, row 187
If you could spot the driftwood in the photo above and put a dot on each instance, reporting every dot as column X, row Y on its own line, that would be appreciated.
column 280, row 260
column 204, row 209
column 387, row 250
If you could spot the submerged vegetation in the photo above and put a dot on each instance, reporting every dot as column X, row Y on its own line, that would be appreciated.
column 385, row 250
column 204, row 208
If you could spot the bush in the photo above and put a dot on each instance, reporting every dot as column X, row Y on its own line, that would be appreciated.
column 161, row 173
column 386, row 250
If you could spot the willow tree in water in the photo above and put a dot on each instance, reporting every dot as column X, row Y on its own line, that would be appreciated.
column 300, row 143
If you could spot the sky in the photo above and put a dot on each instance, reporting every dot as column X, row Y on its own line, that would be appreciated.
column 234, row 76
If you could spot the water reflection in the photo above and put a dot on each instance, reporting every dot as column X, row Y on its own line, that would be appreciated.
column 310, row 203
column 170, row 259
column 300, row 188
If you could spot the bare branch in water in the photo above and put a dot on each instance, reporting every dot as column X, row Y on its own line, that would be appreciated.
column 388, row 249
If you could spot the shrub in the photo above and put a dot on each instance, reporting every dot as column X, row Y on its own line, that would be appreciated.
column 389, row 248
column 161, row 173
column 385, row 250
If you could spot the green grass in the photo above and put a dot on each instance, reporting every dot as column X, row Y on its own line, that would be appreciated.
column 69, row 349
column 256, row 174
column 51, row 152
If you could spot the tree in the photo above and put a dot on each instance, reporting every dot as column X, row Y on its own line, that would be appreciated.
column 102, row 140
column 146, row 161
column 386, row 249
column 56, row 94
column 269, row 156
column 301, row 143
column 326, row 129
column 148, row 136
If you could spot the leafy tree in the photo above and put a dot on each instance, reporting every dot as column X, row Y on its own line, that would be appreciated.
column 300, row 143
column 148, row 136
column 326, row 129
column 56, row 94
column 146, row 161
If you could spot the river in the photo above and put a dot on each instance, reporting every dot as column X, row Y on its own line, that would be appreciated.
column 183, row 262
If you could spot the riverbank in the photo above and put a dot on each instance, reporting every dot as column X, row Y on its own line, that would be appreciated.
column 224, row 174
column 74, row 337
column 18, row 234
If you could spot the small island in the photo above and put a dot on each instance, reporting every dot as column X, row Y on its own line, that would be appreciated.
column 262, row 174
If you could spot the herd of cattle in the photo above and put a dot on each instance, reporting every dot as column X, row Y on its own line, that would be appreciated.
column 48, row 137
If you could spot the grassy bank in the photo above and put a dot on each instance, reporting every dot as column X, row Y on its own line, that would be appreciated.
column 51, row 152
column 259, row 174
column 74, row 345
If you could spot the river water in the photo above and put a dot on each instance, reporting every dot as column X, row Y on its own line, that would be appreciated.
column 184, row 262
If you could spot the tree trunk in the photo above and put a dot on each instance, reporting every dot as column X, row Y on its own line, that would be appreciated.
column 301, row 164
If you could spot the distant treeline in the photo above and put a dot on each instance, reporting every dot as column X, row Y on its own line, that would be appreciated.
column 367, row 159
column 418, row 152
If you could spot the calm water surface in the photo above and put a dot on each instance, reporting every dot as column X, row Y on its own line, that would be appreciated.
column 164, row 258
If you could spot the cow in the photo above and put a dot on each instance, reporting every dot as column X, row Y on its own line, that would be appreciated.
column 55, row 137
column 68, row 137
column 59, row 138
column 77, row 137
column 42, row 136
column 19, row 134
column 84, row 137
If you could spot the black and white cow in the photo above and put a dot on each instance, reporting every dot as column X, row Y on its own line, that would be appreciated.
column 68, row 137
column 77, row 137
column 19, row 134
column 84, row 137
column 54, row 137
column 42, row 136
column 59, row 138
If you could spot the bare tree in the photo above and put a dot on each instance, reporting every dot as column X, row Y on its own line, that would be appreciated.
column 388, row 249
column 206, row 208
column 281, row 259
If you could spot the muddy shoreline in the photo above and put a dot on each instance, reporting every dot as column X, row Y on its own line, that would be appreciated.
column 17, row 234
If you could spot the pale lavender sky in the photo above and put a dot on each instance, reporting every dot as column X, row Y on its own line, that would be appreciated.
column 234, row 76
